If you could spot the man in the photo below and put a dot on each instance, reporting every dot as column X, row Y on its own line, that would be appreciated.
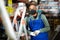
column 38, row 25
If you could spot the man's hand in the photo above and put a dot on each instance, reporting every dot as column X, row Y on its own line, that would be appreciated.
column 37, row 32
column 32, row 34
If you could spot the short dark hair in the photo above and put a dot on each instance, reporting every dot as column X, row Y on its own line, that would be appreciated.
column 31, row 3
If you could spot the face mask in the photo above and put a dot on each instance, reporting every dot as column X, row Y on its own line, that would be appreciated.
column 32, row 12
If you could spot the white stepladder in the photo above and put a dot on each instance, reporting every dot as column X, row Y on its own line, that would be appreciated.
column 21, row 7
column 7, row 23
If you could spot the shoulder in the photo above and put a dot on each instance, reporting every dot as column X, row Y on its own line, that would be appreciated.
column 43, row 16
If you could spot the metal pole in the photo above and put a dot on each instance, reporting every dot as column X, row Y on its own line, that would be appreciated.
column 6, row 21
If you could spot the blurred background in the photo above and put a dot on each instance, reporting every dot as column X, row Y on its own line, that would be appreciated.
column 51, row 9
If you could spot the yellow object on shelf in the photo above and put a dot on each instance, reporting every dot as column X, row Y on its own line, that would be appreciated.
column 9, row 2
column 9, row 7
column 10, row 10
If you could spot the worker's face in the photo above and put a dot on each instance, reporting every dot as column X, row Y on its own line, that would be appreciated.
column 33, row 12
column 32, row 7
